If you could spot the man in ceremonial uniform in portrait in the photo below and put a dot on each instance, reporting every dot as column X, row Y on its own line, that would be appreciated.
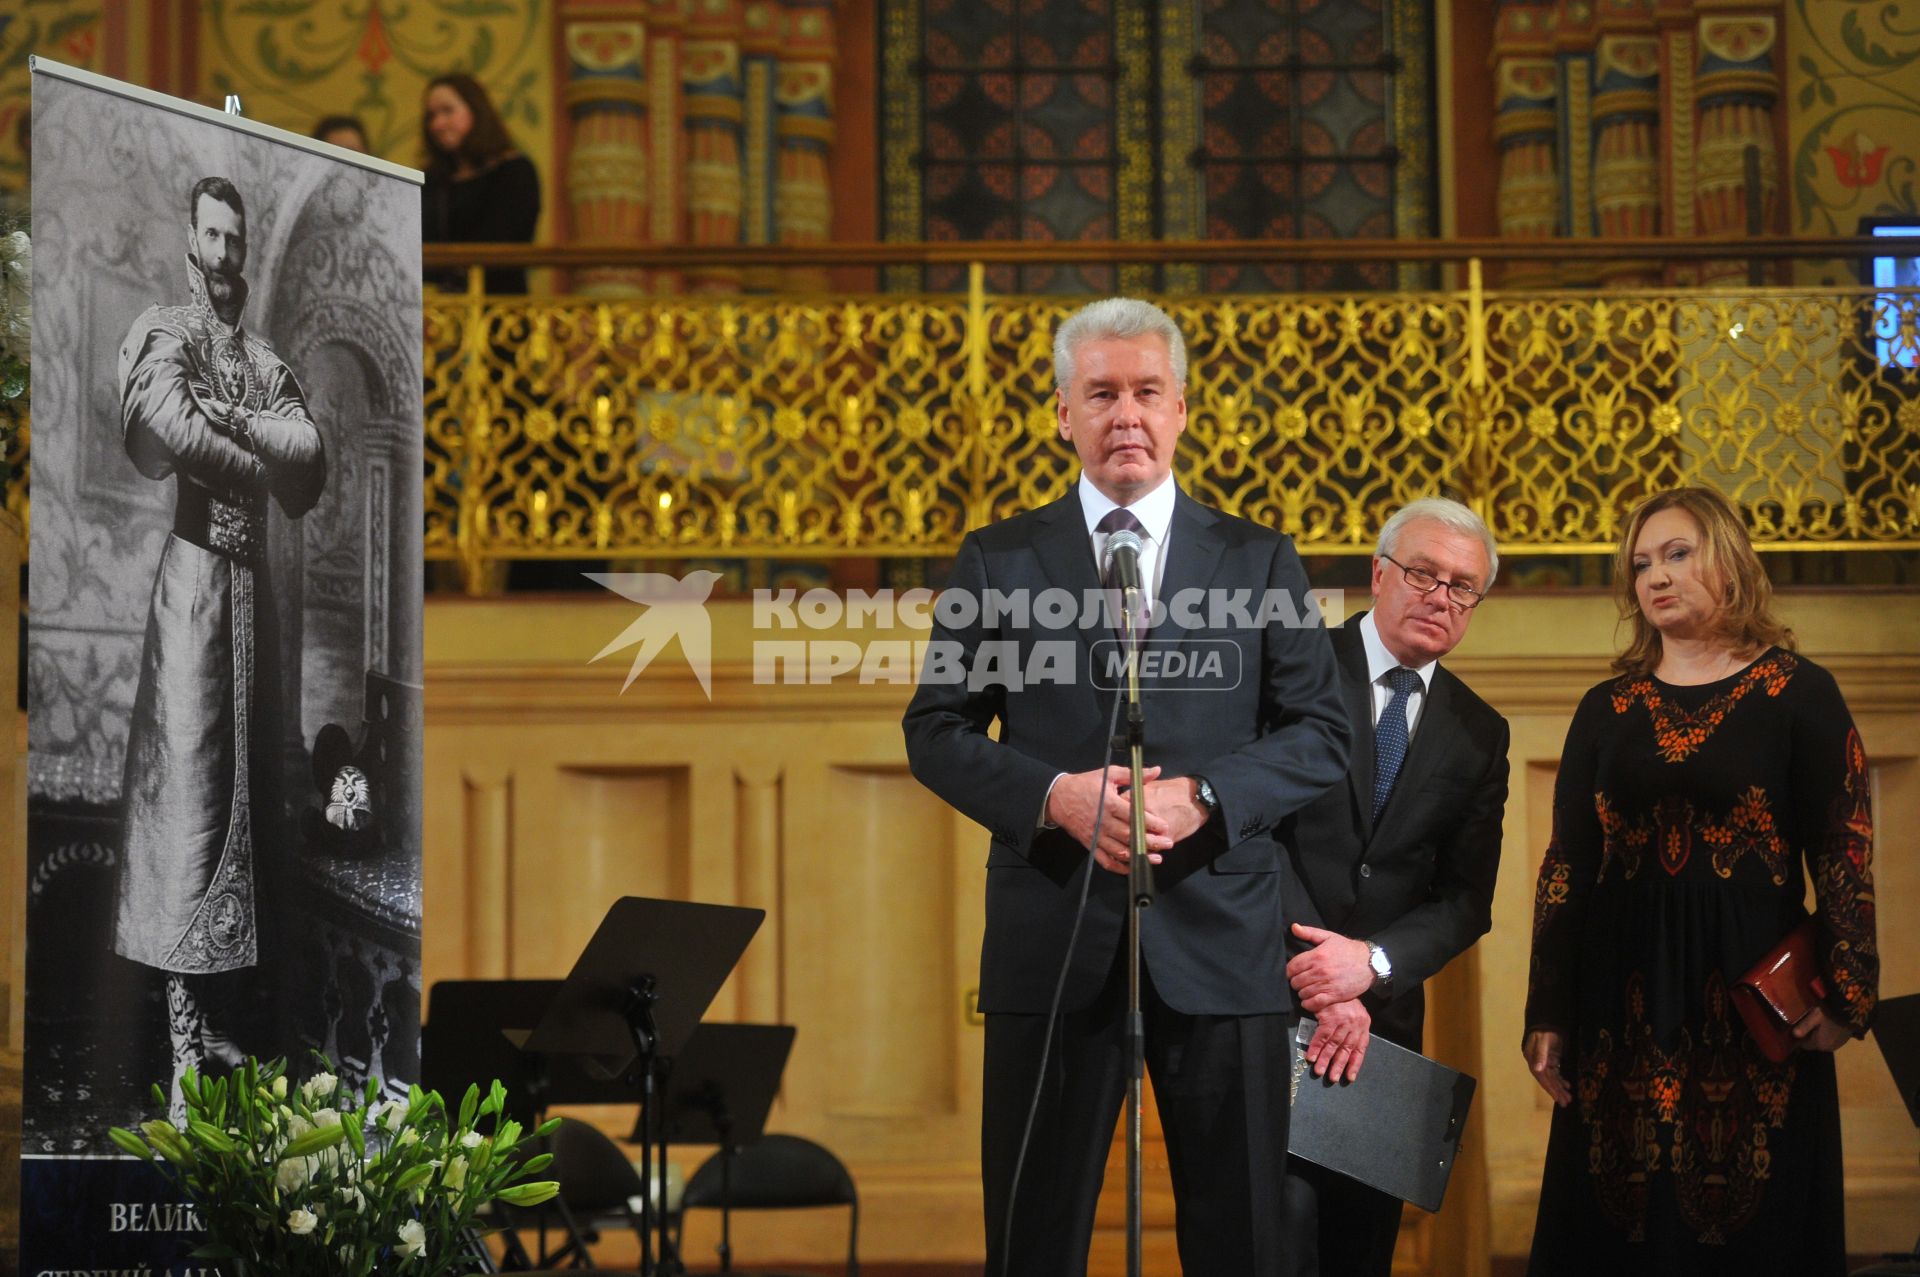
column 205, row 401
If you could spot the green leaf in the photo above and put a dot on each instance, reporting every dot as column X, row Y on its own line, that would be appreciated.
column 211, row 1136
column 313, row 1141
column 415, row 1177
column 530, row 1194
column 1870, row 50
column 468, row 1104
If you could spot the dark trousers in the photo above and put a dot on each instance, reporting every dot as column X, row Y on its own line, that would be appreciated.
column 1340, row 1227
column 1221, row 1086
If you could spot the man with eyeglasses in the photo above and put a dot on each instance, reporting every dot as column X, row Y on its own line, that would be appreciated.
column 1390, row 876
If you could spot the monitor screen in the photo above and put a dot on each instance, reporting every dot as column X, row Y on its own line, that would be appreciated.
column 1896, row 343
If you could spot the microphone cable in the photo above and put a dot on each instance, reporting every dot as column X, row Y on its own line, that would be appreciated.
column 1060, row 983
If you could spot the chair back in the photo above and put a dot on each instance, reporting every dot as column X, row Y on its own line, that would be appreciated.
column 594, row 1175
column 777, row 1172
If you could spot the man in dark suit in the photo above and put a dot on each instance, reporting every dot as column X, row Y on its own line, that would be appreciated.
column 1390, row 875
column 1255, row 737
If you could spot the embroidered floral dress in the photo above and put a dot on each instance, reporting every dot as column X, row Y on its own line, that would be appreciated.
column 1687, row 821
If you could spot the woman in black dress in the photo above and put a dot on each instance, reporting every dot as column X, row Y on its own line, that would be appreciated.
column 1697, row 792
column 479, row 188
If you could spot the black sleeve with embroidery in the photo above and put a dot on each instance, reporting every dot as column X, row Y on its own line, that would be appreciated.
column 1834, row 832
column 1568, row 873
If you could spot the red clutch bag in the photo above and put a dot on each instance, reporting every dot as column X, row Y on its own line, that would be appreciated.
column 1780, row 991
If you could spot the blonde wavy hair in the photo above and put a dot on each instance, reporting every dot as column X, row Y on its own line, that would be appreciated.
column 1746, row 621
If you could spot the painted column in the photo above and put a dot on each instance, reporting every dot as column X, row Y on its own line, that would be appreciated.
column 1626, row 156
column 760, row 42
column 666, row 140
column 1738, row 84
column 711, row 79
column 1526, row 90
column 803, row 127
column 606, row 102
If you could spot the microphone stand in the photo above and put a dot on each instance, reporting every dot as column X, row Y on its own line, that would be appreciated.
column 1139, row 897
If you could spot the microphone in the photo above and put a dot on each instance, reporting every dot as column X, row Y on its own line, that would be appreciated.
column 1123, row 560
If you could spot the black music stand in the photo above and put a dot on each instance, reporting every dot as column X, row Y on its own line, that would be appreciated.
column 719, row 1089
column 632, row 1000
column 466, row 1040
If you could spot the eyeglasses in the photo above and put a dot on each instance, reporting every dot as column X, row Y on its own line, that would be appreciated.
column 1464, row 597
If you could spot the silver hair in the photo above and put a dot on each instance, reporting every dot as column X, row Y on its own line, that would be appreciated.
column 1449, row 513
column 1116, row 317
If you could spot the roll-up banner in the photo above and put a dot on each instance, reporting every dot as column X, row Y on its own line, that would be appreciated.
column 224, row 652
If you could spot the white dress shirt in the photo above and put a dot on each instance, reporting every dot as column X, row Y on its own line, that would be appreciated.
column 1155, row 512
column 1379, row 661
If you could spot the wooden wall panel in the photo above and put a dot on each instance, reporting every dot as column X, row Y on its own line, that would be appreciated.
column 889, row 956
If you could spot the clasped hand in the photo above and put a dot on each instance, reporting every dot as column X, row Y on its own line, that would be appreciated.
column 1173, row 812
column 1328, row 980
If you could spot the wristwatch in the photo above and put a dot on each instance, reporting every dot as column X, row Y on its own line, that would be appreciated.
column 1204, row 792
column 1382, row 969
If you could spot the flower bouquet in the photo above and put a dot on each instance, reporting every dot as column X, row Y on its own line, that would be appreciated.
column 321, row 1178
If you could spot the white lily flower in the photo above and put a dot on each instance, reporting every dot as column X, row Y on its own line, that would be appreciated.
column 413, row 1240
column 301, row 1222
column 290, row 1174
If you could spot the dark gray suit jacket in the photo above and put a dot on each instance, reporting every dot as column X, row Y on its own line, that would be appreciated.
column 1213, row 941
column 1420, row 882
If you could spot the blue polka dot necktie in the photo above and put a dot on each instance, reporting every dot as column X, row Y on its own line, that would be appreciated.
column 1390, row 735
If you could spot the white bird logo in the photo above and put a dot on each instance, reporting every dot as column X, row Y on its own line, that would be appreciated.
column 675, row 608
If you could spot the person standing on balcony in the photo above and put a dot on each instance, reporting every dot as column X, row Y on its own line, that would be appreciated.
column 1390, row 876
column 1698, row 792
column 1229, row 759
column 480, row 189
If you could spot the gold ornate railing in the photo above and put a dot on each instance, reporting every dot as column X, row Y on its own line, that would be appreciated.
column 889, row 424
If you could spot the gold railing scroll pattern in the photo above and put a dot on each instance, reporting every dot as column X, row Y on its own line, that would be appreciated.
column 886, row 425
column 1775, row 398
column 582, row 429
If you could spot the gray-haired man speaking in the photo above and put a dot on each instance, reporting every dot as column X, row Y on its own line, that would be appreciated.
column 1229, row 758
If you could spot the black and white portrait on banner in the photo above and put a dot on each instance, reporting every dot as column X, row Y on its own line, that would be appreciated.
column 224, row 649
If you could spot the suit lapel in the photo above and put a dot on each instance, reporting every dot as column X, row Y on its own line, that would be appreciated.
column 1357, row 692
column 1192, row 557
column 1065, row 552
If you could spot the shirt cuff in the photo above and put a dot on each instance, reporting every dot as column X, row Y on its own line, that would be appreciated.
column 1045, row 801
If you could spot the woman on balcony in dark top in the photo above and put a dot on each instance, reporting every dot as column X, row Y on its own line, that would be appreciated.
column 480, row 189
column 1697, row 792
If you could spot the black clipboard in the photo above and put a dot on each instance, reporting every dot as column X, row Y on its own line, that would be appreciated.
column 1396, row 1128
